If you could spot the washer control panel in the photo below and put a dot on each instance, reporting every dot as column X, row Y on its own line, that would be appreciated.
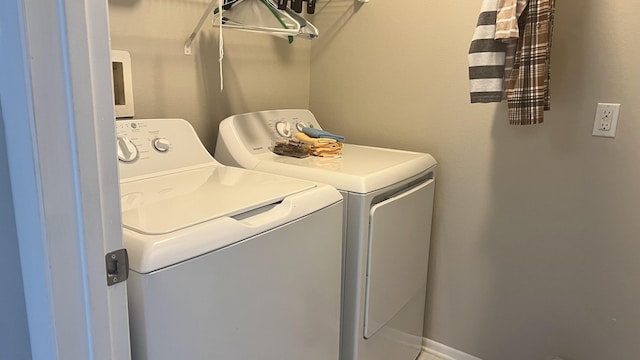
column 149, row 146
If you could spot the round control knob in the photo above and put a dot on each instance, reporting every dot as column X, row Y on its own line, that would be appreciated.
column 283, row 128
column 127, row 150
column 161, row 144
column 300, row 125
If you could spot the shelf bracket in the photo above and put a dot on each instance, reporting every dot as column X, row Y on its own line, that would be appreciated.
column 196, row 30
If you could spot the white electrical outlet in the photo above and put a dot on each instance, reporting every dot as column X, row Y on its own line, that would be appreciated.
column 606, row 121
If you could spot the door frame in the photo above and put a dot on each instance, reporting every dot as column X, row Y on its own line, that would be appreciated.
column 56, row 100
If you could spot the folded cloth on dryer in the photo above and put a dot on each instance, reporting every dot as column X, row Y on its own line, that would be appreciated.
column 330, row 150
column 317, row 133
column 314, row 141
column 321, row 146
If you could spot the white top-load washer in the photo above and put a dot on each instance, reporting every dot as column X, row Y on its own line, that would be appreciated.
column 388, row 209
column 225, row 263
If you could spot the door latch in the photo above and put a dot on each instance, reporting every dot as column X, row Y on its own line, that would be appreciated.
column 117, row 266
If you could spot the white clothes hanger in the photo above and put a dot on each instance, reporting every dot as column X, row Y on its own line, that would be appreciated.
column 260, row 16
column 307, row 30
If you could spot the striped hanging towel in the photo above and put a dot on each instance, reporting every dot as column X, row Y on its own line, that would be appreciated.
column 486, row 57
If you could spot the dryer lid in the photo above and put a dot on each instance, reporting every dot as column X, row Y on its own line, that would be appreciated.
column 168, row 203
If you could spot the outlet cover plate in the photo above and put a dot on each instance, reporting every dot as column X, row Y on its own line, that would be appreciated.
column 606, row 120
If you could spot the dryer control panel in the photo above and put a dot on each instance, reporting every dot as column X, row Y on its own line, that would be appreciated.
column 259, row 130
column 151, row 146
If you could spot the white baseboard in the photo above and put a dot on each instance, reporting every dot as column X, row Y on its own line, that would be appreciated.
column 443, row 352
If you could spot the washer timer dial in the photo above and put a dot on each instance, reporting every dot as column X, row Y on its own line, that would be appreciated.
column 161, row 144
column 127, row 150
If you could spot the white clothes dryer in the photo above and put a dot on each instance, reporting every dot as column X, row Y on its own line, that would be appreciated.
column 388, row 200
column 225, row 263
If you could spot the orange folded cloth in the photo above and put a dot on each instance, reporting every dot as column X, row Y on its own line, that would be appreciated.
column 327, row 153
column 323, row 147
column 329, row 150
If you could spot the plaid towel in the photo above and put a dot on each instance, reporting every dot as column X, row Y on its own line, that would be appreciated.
column 528, row 93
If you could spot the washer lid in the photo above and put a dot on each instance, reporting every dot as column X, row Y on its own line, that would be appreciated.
column 168, row 203
column 361, row 169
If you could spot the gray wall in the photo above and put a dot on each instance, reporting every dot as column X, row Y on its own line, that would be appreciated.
column 14, row 333
column 536, row 235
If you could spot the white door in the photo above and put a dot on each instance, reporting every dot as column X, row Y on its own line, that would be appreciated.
column 57, row 109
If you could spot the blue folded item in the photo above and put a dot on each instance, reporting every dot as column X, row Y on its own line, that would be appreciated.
column 317, row 133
